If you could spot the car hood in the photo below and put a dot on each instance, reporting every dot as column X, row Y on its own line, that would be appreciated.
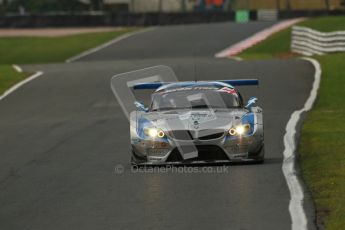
column 195, row 119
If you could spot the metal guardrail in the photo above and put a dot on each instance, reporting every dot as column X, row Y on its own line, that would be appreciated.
column 309, row 42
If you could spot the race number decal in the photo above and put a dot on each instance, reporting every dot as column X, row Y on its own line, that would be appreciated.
column 228, row 90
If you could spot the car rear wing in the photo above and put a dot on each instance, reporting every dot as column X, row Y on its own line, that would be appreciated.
column 239, row 82
column 242, row 82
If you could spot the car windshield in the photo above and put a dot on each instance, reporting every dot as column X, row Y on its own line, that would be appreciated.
column 195, row 99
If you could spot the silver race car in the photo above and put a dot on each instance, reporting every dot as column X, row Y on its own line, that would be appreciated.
column 197, row 122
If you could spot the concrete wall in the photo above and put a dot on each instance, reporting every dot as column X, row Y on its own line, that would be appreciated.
column 117, row 1
column 123, row 19
column 155, row 5
column 151, row 5
column 282, row 4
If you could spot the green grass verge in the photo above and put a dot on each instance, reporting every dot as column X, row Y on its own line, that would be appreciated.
column 321, row 147
column 29, row 50
column 326, row 24
column 322, row 143
column 9, row 77
column 278, row 45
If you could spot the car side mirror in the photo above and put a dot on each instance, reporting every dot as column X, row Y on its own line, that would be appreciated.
column 140, row 106
column 251, row 102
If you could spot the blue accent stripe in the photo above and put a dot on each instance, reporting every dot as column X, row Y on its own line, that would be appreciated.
column 249, row 119
column 242, row 82
column 156, row 85
column 142, row 124
column 148, row 85
column 246, row 119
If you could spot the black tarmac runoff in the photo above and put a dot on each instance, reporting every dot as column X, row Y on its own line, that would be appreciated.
column 64, row 136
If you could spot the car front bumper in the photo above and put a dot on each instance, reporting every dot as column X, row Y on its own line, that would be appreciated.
column 220, row 150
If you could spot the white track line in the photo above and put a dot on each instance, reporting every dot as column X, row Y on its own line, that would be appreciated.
column 297, row 213
column 256, row 38
column 105, row 45
column 20, row 84
column 17, row 68
column 298, row 216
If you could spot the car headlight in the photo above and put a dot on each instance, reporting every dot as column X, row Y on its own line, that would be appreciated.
column 239, row 130
column 154, row 132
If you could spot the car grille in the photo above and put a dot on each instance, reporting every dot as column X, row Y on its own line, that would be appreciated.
column 205, row 153
column 215, row 135
column 195, row 135
column 181, row 135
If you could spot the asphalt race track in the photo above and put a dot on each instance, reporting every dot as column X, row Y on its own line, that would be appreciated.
column 63, row 134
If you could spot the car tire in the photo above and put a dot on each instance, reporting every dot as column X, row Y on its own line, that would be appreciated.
column 259, row 157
